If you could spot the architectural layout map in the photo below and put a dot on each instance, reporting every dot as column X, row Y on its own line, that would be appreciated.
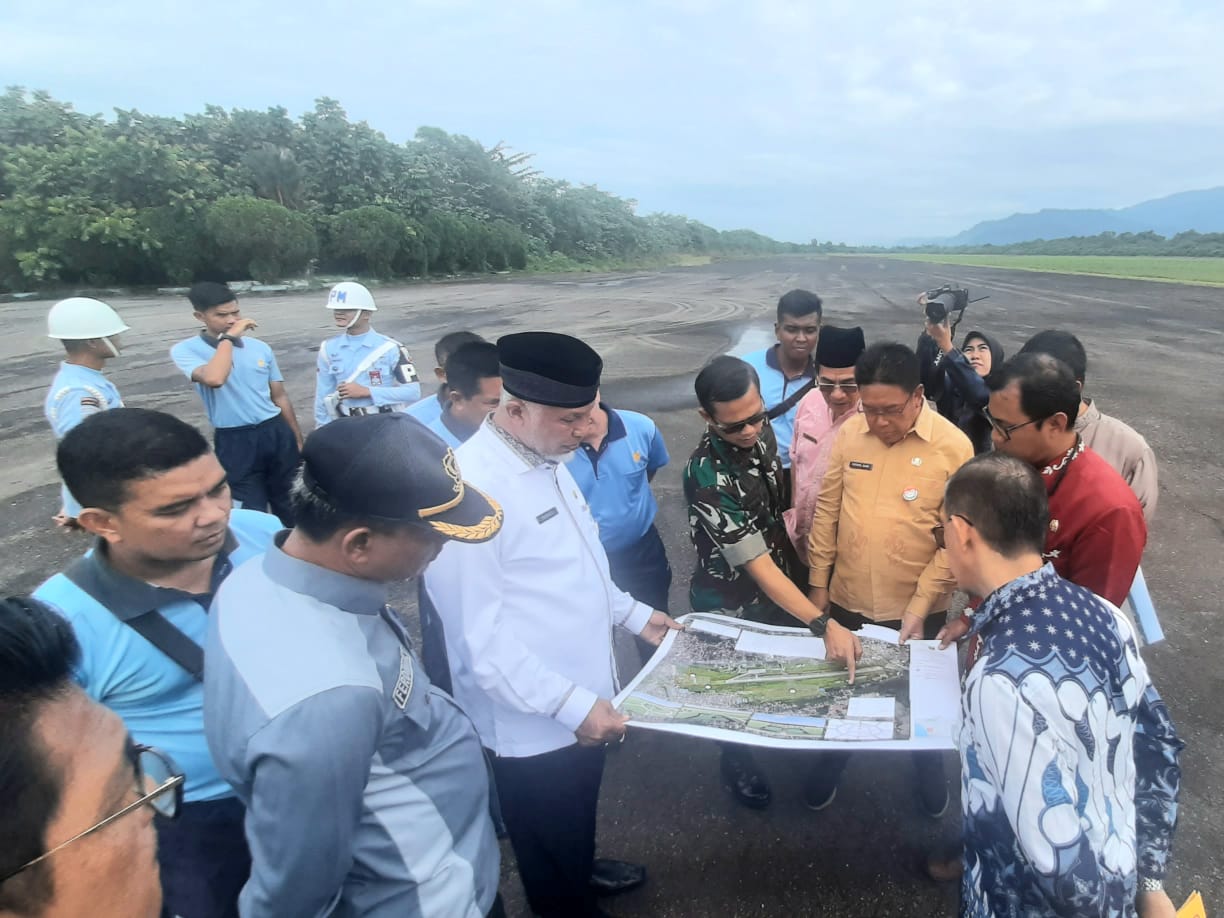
column 737, row 681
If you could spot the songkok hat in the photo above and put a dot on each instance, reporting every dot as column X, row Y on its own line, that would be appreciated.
column 549, row 369
column 392, row 468
column 839, row 348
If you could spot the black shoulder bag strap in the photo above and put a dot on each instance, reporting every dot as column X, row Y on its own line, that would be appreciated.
column 782, row 407
column 152, row 625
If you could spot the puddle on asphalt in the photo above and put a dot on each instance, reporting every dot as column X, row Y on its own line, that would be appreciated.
column 753, row 339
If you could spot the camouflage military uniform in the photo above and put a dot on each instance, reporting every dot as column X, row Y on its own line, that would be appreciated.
column 735, row 502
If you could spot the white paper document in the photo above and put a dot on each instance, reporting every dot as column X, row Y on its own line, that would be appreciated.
column 738, row 681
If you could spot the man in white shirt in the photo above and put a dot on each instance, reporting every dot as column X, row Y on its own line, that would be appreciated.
column 528, row 620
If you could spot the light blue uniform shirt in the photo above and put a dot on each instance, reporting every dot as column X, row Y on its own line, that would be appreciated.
column 161, row 703
column 438, row 426
column 244, row 400
column 428, row 409
column 775, row 389
column 391, row 379
column 615, row 480
column 366, row 788
column 75, row 394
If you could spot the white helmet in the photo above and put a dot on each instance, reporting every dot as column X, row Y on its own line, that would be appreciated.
column 79, row 318
column 350, row 295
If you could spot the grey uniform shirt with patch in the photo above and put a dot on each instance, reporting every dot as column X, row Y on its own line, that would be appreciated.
column 365, row 786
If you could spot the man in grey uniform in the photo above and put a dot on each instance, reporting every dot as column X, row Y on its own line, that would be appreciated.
column 366, row 789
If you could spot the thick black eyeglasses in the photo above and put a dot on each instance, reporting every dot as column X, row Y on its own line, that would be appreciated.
column 755, row 421
column 161, row 786
column 937, row 532
column 1005, row 430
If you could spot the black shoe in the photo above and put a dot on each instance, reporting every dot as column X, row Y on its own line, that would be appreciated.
column 934, row 798
column 746, row 784
column 610, row 877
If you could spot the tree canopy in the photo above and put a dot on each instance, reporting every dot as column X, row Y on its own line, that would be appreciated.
column 144, row 199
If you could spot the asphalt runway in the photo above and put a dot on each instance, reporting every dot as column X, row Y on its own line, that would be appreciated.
column 1156, row 356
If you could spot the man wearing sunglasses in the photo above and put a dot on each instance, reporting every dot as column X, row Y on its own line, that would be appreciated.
column 79, row 797
column 158, row 501
column 818, row 420
column 746, row 565
column 870, row 555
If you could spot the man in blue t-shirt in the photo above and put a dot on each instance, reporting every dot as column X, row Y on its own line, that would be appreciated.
column 787, row 369
column 614, row 467
column 256, row 430
column 156, row 498
column 89, row 331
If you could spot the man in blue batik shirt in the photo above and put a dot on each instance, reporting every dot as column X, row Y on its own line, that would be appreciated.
column 1069, row 774
column 787, row 369
column 361, row 371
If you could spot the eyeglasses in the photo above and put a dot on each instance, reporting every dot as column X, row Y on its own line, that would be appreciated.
column 755, row 421
column 161, row 786
column 937, row 532
column 892, row 411
column 1005, row 430
column 849, row 386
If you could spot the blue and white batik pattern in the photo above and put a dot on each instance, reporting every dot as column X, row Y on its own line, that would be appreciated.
column 1069, row 774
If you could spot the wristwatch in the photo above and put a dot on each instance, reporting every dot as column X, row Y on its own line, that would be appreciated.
column 1147, row 884
column 818, row 626
column 226, row 336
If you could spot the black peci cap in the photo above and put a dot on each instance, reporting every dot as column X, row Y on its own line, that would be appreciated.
column 549, row 369
column 392, row 468
column 839, row 348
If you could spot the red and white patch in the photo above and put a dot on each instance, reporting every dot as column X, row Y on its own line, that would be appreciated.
column 376, row 377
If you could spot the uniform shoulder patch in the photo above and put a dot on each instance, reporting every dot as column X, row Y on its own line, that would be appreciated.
column 89, row 401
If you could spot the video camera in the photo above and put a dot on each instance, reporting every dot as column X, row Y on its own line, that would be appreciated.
column 946, row 301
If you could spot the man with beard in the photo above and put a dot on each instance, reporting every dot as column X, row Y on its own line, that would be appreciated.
column 528, row 620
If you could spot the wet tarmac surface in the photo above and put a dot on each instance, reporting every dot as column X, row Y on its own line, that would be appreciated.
column 1156, row 355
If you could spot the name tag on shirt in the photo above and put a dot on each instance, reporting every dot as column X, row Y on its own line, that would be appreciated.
column 862, row 466
column 810, row 438
column 547, row 515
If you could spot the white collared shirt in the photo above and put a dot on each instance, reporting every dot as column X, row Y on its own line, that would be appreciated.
column 528, row 615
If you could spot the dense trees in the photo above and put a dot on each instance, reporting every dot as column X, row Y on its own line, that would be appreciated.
column 144, row 200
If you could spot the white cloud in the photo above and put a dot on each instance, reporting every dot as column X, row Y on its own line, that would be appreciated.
column 839, row 118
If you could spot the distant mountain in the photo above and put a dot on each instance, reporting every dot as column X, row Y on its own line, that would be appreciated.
column 1188, row 210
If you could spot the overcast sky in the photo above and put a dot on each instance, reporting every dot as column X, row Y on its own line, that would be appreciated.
column 856, row 121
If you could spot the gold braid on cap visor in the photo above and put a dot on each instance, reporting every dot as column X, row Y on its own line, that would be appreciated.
column 481, row 532
column 452, row 469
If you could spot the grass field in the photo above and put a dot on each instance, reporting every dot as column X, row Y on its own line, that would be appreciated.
column 1138, row 267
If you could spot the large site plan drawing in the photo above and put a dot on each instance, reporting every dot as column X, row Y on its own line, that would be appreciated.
column 738, row 681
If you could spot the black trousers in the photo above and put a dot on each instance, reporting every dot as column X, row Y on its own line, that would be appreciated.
column 549, row 803
column 204, row 860
column 928, row 764
column 261, row 461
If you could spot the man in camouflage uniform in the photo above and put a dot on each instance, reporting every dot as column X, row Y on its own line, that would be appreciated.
column 746, row 564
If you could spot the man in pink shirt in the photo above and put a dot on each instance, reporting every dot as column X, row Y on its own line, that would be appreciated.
column 818, row 419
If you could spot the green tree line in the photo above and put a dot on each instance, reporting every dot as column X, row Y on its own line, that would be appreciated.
column 1187, row 244
column 145, row 199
